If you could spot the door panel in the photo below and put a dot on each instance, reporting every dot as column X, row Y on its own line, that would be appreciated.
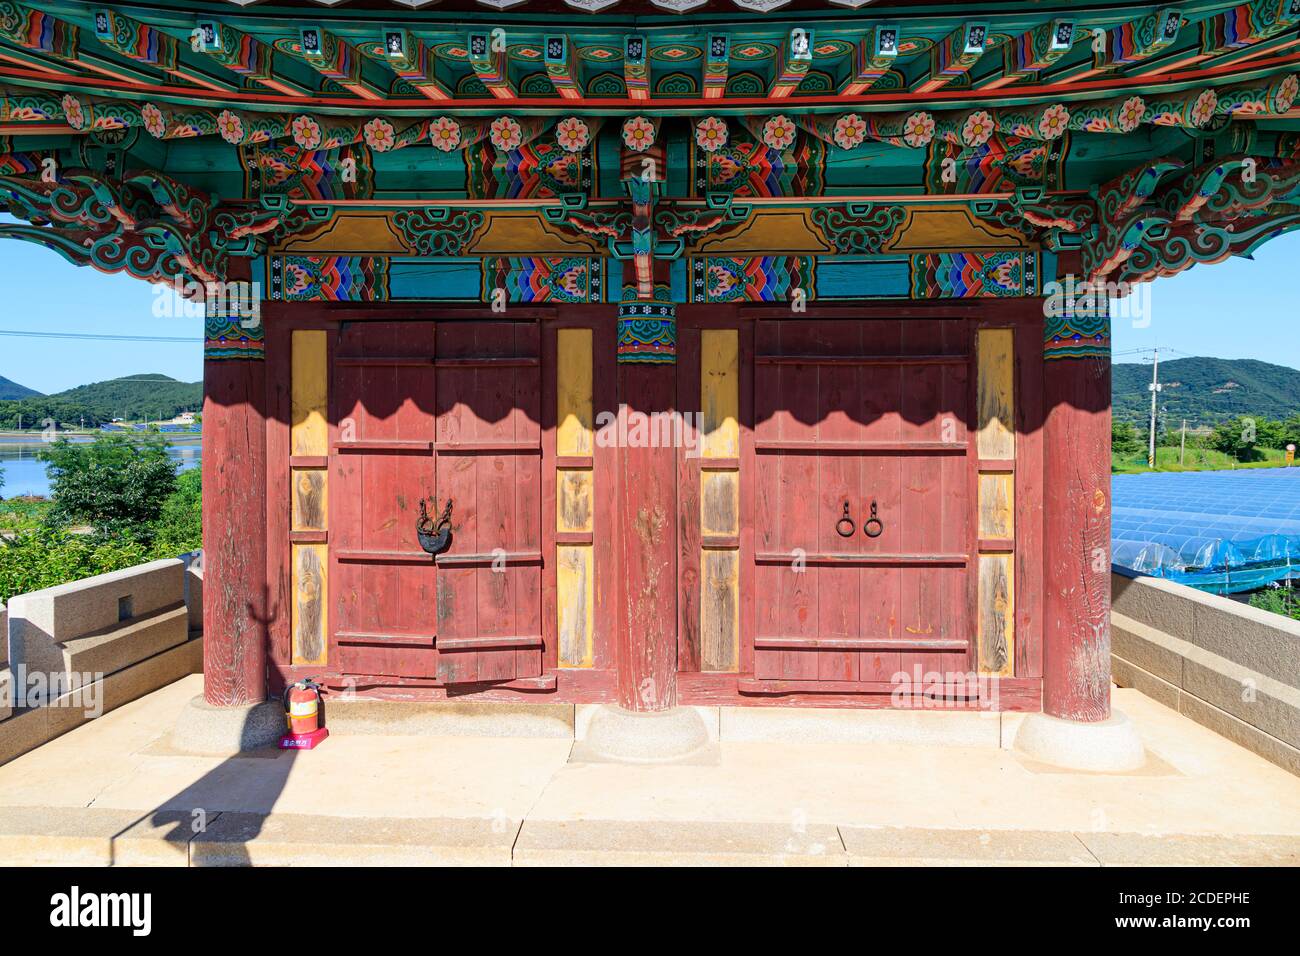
column 861, row 412
column 435, row 411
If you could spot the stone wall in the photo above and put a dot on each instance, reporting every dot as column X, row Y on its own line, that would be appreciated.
column 81, row 649
column 1226, row 665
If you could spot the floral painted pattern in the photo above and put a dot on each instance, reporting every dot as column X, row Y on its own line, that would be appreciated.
column 73, row 112
column 638, row 134
column 1054, row 121
column 711, row 134
column 977, row 128
column 505, row 133
column 572, row 134
column 379, row 134
column 154, row 122
column 1286, row 94
column 306, row 132
column 444, row 132
column 778, row 132
column 1131, row 113
column 918, row 130
column 850, row 131
column 231, row 127
column 1204, row 107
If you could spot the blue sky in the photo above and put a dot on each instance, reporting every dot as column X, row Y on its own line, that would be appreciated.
column 1236, row 309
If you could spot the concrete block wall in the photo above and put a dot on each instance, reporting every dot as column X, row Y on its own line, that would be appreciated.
column 1226, row 665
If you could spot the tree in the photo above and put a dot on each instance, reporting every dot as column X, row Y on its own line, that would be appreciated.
column 1239, row 437
column 180, row 525
column 1124, row 439
column 116, row 484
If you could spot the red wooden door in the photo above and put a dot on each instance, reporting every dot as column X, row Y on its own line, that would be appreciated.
column 428, row 411
column 864, row 413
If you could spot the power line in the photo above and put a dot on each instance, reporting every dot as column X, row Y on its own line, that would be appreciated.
column 99, row 337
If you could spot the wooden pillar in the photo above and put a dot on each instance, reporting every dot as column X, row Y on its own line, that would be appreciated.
column 646, row 641
column 234, row 513
column 1076, row 520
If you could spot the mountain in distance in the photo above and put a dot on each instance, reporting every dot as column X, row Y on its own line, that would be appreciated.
column 136, row 397
column 12, row 390
column 1205, row 391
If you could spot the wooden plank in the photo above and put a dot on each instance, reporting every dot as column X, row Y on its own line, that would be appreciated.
column 768, row 446
column 310, row 501
column 996, row 622
column 720, row 610
column 575, row 585
column 996, row 436
column 309, row 432
column 310, row 605
column 574, row 501
column 997, row 506
column 720, row 392
column 573, row 399
column 866, row 559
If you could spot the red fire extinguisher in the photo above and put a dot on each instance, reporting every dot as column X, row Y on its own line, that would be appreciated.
column 302, row 707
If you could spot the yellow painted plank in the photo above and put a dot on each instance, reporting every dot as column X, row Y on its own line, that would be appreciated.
column 719, row 610
column 720, row 392
column 997, row 505
column 310, row 607
column 575, row 605
column 310, row 500
column 996, row 437
column 309, row 391
column 719, row 502
column 997, row 614
column 573, row 436
column 573, row 501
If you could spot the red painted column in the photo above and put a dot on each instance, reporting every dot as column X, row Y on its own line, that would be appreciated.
column 646, row 649
column 234, row 524
column 1076, row 522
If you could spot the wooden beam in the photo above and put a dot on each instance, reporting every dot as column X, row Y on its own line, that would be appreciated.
column 636, row 67
column 406, row 56
column 148, row 45
column 1126, row 44
column 1236, row 31
column 792, row 64
column 242, row 54
column 560, row 66
column 875, row 56
column 335, row 59
column 954, row 55
column 487, row 57
column 717, row 64
column 1030, row 52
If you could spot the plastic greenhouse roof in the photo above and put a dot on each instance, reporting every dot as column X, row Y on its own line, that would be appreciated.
column 1220, row 531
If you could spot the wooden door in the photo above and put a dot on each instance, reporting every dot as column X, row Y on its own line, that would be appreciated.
column 863, row 412
column 428, row 411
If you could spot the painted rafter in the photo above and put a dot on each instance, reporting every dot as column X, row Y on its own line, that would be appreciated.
column 793, row 61
column 335, row 59
column 242, row 54
column 1234, row 31
column 1031, row 52
column 954, row 55
column 636, row 66
column 1127, row 44
column 48, row 43
column 717, row 66
column 407, row 57
column 150, row 46
column 874, row 56
column 487, row 57
column 561, row 66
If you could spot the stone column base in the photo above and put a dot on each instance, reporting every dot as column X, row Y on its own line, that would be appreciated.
column 225, row 731
column 1107, row 746
column 624, row 736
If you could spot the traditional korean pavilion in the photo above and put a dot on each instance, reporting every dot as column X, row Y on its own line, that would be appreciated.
column 748, row 348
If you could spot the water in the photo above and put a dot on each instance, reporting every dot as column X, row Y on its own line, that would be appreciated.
column 25, row 474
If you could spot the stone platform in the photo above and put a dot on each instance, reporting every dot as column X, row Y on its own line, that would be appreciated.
column 115, row 791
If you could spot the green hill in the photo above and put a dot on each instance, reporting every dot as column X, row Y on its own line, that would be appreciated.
column 1206, row 391
column 12, row 390
column 134, row 398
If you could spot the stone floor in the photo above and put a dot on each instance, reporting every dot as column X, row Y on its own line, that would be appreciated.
column 114, row 792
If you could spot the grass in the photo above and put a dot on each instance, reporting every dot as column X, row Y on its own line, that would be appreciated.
column 23, row 515
column 1197, row 459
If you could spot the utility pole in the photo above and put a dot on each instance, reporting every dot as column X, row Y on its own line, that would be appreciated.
column 1155, row 390
column 1182, row 445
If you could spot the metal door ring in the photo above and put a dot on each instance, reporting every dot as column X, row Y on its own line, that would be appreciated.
column 844, row 522
column 873, row 527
